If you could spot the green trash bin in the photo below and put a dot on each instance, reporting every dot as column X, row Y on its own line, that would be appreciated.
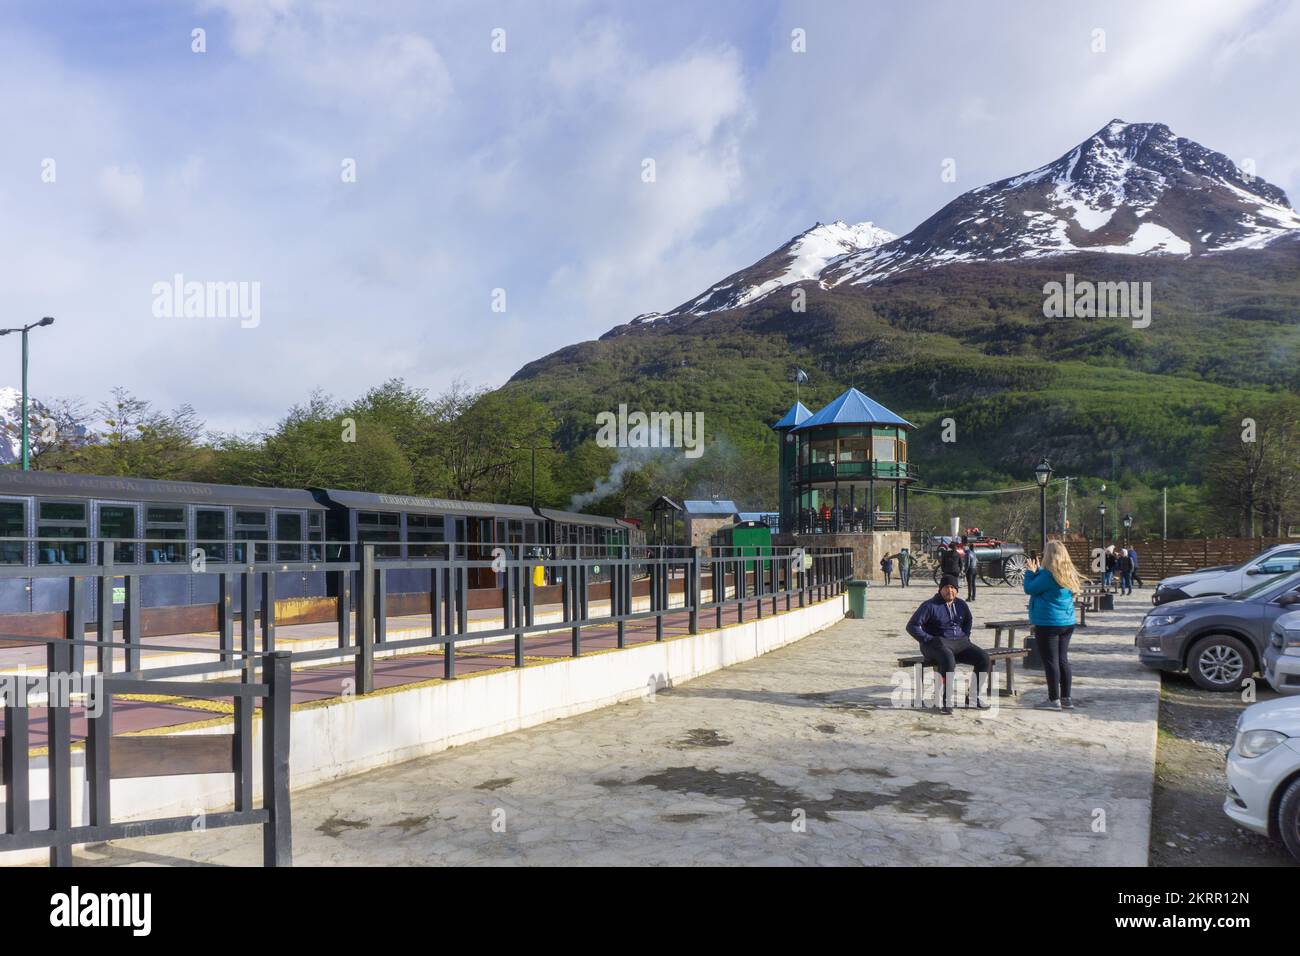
column 858, row 598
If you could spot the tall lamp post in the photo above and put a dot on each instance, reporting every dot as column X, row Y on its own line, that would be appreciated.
column 1043, row 473
column 1128, row 524
column 1101, row 510
column 24, row 330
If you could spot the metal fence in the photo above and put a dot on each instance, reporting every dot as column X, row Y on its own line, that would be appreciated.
column 256, row 671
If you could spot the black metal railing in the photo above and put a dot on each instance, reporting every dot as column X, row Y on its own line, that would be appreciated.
column 739, row 581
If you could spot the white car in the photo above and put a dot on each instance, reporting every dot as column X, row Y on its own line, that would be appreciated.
column 1281, row 667
column 1264, row 771
column 1228, row 579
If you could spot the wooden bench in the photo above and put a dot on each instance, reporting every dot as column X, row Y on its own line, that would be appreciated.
column 1010, row 654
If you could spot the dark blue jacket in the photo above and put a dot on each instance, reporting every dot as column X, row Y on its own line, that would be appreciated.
column 933, row 620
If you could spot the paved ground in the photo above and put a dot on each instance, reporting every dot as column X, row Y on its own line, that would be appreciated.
column 798, row 757
column 1189, row 825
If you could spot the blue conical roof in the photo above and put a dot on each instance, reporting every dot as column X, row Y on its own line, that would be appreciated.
column 854, row 408
column 798, row 413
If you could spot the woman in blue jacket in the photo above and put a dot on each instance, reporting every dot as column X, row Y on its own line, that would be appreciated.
column 1051, row 588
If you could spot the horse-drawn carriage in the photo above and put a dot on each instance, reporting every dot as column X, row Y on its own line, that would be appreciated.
column 999, row 561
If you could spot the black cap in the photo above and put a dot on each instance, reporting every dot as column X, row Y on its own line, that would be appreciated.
column 947, row 581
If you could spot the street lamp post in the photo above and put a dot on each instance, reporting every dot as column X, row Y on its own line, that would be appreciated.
column 24, row 330
column 1101, row 510
column 1128, row 524
column 1043, row 474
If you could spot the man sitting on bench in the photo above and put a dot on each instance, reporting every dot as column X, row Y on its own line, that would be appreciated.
column 942, row 627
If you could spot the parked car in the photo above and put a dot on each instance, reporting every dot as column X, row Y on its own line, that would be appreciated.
column 1219, row 641
column 1264, row 771
column 1282, row 656
column 1228, row 578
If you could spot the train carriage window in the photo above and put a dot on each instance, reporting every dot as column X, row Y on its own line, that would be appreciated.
column 13, row 524
column 315, row 536
column 164, row 534
column 424, row 535
column 59, row 525
column 117, row 524
column 381, row 526
column 251, row 526
column 288, row 536
column 210, row 533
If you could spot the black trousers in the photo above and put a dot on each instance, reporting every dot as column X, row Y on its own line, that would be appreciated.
column 1054, row 647
column 939, row 653
column 970, row 585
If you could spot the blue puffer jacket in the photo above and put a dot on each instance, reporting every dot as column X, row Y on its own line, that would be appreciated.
column 1050, row 605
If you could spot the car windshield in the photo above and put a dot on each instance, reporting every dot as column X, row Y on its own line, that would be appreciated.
column 1267, row 585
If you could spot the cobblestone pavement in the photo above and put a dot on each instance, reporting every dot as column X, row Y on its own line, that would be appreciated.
column 798, row 757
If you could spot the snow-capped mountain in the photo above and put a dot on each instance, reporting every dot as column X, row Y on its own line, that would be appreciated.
column 1130, row 189
column 802, row 258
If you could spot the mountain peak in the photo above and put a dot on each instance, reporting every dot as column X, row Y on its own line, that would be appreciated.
column 1129, row 189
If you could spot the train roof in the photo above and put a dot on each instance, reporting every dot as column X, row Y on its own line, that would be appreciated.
column 575, row 517
column 371, row 501
column 65, row 484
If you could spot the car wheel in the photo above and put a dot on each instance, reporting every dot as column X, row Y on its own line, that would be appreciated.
column 1220, row 662
column 1288, row 818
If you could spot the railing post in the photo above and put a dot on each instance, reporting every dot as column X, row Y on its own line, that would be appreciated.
column 435, row 601
column 17, row 769
column 131, row 622
column 449, row 603
column 657, row 576
column 99, row 736
column 618, row 605
column 59, row 661
column 579, row 584
column 104, row 613
column 693, row 591
column 268, row 611
column 365, row 662
column 277, row 832
column 381, row 605
column 225, row 616
column 345, row 608
column 247, row 624
column 462, row 600
column 75, row 630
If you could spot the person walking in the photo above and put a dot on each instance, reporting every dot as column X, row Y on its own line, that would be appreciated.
column 942, row 626
column 972, row 568
column 1124, row 565
column 950, row 561
column 887, row 565
column 904, row 567
column 1108, row 568
column 1133, row 556
column 1052, row 586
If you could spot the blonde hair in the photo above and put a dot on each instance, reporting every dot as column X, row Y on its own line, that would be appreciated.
column 1056, row 561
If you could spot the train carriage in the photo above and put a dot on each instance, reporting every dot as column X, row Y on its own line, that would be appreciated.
column 55, row 518
column 58, row 518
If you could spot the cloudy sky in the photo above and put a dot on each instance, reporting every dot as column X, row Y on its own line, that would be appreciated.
column 521, row 170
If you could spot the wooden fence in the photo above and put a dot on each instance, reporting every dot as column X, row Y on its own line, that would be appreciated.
column 1162, row 559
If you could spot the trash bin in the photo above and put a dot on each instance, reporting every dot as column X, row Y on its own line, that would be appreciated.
column 858, row 598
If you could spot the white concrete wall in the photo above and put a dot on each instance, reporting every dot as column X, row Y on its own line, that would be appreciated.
column 344, row 737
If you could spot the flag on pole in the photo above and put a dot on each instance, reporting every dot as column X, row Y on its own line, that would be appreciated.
column 800, row 376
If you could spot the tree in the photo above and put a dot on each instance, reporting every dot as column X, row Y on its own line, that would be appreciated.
column 138, row 441
column 1253, row 466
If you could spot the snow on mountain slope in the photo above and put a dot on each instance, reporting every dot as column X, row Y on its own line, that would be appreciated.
column 802, row 258
column 1130, row 189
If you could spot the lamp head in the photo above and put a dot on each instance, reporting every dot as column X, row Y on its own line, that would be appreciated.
column 1043, row 473
column 48, row 320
